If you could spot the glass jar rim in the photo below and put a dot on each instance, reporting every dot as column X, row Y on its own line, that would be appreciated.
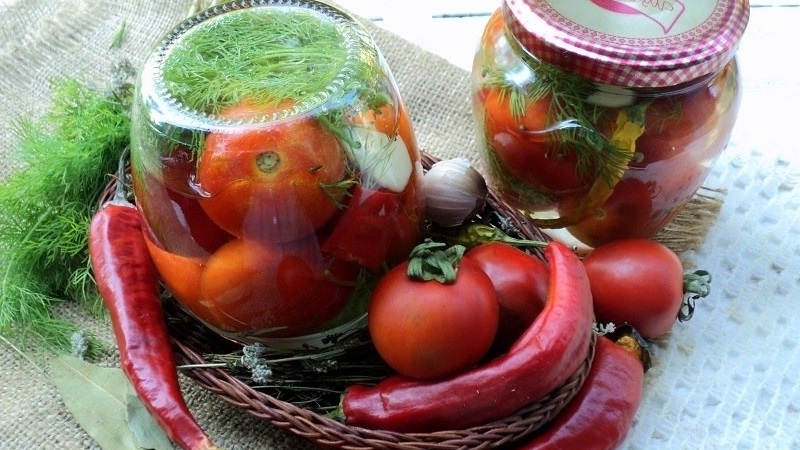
column 672, row 43
column 167, row 108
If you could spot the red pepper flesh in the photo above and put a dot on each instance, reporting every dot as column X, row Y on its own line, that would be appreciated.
column 548, row 353
column 370, row 228
column 600, row 415
column 128, row 283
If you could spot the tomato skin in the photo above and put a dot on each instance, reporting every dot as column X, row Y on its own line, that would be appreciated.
column 429, row 330
column 636, row 281
column 269, row 183
column 521, row 282
column 628, row 212
column 289, row 288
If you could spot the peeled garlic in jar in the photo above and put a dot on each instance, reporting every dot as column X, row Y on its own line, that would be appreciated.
column 454, row 191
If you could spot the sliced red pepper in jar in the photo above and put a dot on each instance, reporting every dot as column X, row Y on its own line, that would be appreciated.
column 371, row 228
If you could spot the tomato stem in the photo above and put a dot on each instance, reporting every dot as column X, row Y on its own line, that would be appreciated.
column 696, row 285
column 432, row 260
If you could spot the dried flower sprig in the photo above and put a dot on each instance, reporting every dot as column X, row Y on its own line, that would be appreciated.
column 314, row 379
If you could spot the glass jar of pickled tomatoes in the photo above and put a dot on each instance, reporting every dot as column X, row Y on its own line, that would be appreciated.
column 275, row 168
column 600, row 119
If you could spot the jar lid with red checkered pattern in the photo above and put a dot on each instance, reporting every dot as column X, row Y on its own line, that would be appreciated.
column 630, row 43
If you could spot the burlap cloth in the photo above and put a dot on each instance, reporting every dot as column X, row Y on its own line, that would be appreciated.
column 724, row 380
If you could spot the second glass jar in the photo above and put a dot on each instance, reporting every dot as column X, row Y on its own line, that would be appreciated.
column 586, row 158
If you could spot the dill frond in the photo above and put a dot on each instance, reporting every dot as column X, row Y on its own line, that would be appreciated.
column 46, row 208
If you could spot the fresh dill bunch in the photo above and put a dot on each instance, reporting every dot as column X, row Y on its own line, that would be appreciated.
column 46, row 207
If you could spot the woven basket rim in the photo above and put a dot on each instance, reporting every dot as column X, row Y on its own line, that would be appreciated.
column 322, row 430
column 328, row 432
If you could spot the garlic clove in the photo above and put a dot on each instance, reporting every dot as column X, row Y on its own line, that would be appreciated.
column 383, row 162
column 454, row 192
column 611, row 97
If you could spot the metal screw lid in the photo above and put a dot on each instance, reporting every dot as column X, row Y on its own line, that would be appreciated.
column 630, row 43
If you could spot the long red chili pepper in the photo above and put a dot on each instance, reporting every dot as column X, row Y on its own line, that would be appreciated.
column 128, row 284
column 600, row 415
column 549, row 351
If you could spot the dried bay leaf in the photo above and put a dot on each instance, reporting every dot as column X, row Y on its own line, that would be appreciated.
column 103, row 402
column 148, row 434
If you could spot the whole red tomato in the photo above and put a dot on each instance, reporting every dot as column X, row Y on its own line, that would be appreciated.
column 628, row 212
column 278, row 289
column 521, row 283
column 272, row 183
column 636, row 281
column 430, row 329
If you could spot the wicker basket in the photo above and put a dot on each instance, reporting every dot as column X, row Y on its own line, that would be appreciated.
column 192, row 340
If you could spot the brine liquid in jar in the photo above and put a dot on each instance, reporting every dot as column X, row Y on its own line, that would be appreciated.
column 276, row 170
column 600, row 120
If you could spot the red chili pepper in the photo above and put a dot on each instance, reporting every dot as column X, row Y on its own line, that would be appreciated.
column 128, row 284
column 600, row 415
column 548, row 353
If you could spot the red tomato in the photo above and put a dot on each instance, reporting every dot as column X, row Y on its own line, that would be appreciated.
column 524, row 150
column 270, row 183
column 521, row 283
column 176, row 222
column 280, row 289
column 636, row 281
column 427, row 329
column 626, row 213
column 672, row 124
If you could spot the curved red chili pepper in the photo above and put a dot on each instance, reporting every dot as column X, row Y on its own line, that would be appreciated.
column 600, row 415
column 549, row 351
column 128, row 284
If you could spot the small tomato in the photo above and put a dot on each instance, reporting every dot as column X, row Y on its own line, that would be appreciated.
column 374, row 230
column 278, row 290
column 521, row 283
column 524, row 145
column 626, row 213
column 636, row 281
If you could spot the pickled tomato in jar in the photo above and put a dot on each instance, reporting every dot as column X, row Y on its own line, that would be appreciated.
column 275, row 168
column 600, row 120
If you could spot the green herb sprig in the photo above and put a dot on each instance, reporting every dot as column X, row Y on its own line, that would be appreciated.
column 576, row 118
column 262, row 57
column 46, row 207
